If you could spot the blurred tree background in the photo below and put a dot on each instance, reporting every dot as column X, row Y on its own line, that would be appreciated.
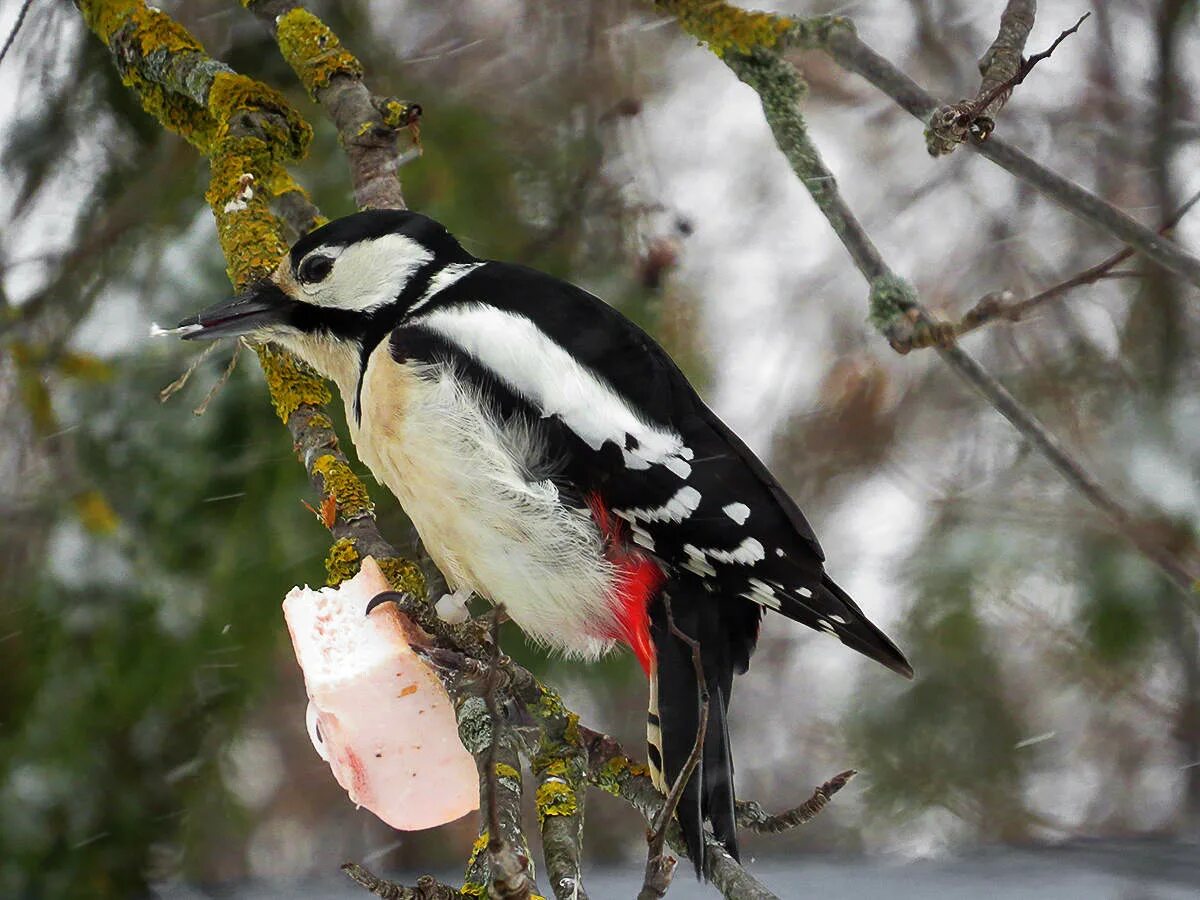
column 151, row 713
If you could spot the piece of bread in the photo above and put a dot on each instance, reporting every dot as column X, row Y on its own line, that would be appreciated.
column 377, row 712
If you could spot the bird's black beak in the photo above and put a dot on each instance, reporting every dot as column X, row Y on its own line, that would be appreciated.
column 260, row 305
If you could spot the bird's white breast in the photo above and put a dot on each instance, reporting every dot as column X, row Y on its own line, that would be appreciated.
column 460, row 474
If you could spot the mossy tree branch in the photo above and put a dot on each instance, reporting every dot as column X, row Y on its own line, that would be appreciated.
column 894, row 307
column 369, row 127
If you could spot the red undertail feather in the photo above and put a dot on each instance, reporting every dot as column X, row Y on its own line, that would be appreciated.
column 639, row 579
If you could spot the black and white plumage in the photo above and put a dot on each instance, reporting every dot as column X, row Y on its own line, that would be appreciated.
column 554, row 459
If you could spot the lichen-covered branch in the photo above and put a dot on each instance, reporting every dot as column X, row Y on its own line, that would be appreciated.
column 559, row 764
column 500, row 864
column 894, row 307
column 369, row 127
column 250, row 133
column 426, row 888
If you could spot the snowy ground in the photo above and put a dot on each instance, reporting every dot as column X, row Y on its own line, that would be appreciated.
column 1079, row 871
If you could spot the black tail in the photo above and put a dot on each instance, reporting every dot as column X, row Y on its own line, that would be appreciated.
column 675, row 705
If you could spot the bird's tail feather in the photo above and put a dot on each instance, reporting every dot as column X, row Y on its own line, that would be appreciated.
column 674, row 720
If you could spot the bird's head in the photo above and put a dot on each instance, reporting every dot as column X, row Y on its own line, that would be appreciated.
column 339, row 284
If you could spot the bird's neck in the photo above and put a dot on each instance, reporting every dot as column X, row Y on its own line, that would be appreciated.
column 337, row 360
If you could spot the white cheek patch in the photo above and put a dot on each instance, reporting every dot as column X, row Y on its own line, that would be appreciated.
column 368, row 274
column 532, row 364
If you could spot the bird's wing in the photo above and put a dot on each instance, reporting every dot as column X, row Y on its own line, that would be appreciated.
column 636, row 436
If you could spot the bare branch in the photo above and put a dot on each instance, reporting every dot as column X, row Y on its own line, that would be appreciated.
column 894, row 307
column 836, row 36
column 1003, row 305
column 1003, row 68
column 758, row 820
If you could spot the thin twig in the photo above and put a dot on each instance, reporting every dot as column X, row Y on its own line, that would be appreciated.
column 955, row 123
column 1025, row 68
column 12, row 35
column 1002, row 305
column 179, row 383
column 897, row 313
column 659, row 866
column 221, row 381
column 753, row 817
column 952, row 124
column 850, row 52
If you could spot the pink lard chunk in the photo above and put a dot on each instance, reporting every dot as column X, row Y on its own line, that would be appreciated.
column 377, row 713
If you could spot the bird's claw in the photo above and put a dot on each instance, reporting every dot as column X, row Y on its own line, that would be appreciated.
column 386, row 597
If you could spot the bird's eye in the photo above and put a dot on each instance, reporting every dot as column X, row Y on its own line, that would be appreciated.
column 314, row 269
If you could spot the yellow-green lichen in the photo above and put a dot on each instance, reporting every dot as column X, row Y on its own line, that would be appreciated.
column 320, row 420
column 477, row 849
column 550, row 706
column 726, row 28
column 130, row 23
column 250, row 235
column 617, row 770
column 403, row 575
column 342, row 562
column 290, row 382
column 549, row 766
column 344, row 487
column 313, row 51
column 96, row 513
column 286, row 132
column 398, row 114
column 555, row 798
column 473, row 889
column 506, row 771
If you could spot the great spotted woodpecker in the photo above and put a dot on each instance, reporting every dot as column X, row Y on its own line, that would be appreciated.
column 554, row 459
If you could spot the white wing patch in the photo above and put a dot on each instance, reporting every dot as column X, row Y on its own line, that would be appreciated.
column 739, row 512
column 697, row 562
column 442, row 279
column 747, row 553
column 678, row 508
column 531, row 363
column 762, row 594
